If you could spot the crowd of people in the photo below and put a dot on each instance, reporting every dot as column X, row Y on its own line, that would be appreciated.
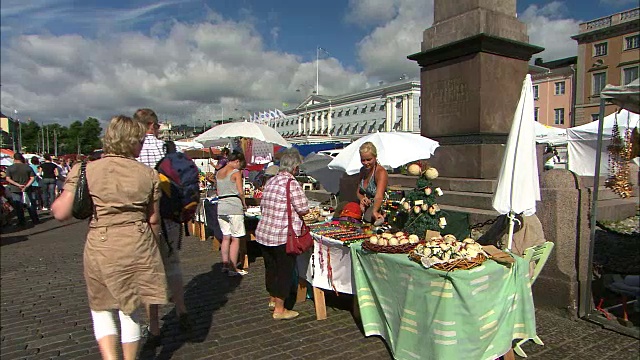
column 131, row 256
column 32, row 185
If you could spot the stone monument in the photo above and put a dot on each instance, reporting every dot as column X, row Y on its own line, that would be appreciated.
column 473, row 61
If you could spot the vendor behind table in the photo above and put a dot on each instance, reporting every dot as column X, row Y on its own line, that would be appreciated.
column 373, row 184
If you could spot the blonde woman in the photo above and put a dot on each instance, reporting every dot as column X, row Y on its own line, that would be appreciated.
column 122, row 265
column 373, row 184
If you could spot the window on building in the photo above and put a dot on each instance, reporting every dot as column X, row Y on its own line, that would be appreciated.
column 632, row 42
column 599, row 82
column 559, row 116
column 535, row 92
column 629, row 74
column 559, row 88
column 595, row 117
column 600, row 49
column 536, row 111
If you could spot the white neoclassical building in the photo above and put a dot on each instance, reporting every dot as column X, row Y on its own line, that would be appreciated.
column 392, row 107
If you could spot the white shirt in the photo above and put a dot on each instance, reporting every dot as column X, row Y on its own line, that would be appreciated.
column 152, row 151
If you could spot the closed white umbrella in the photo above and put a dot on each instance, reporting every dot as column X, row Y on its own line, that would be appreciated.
column 518, row 187
column 243, row 129
column 394, row 149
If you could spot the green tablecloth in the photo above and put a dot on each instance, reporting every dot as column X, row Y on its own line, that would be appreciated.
column 431, row 314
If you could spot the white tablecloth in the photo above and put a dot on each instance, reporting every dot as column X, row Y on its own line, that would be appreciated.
column 318, row 274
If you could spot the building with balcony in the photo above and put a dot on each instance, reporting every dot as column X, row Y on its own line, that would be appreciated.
column 608, row 53
column 554, row 91
column 320, row 118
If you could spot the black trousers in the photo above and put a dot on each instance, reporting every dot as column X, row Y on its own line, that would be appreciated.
column 278, row 274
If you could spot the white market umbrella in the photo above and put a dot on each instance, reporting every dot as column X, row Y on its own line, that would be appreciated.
column 188, row 145
column 394, row 149
column 518, row 187
column 6, row 160
column 316, row 165
column 243, row 129
column 550, row 135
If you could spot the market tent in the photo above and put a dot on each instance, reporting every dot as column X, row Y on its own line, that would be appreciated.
column 626, row 96
column 550, row 135
column 583, row 140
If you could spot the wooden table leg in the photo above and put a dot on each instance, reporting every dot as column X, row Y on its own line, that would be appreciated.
column 356, row 308
column 202, row 231
column 509, row 355
column 321, row 307
column 245, row 264
column 216, row 244
column 301, row 295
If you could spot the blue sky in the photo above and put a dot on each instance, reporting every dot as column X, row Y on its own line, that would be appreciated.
column 67, row 59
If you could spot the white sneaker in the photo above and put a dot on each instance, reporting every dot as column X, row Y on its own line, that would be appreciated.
column 45, row 209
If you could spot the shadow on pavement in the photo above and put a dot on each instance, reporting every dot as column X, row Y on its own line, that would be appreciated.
column 204, row 294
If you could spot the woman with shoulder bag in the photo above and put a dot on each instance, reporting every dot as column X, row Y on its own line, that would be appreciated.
column 276, row 208
column 123, row 269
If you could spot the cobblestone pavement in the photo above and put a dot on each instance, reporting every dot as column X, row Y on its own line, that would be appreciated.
column 44, row 312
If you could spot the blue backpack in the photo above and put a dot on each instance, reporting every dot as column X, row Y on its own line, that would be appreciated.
column 180, row 185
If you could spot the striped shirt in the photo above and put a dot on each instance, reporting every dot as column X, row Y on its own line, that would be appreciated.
column 274, row 224
column 152, row 151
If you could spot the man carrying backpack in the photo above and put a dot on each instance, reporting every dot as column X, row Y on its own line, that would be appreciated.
column 153, row 150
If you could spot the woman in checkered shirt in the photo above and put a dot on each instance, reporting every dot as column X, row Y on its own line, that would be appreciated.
column 271, row 232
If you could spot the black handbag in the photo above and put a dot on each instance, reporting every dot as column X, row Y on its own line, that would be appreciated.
column 82, row 202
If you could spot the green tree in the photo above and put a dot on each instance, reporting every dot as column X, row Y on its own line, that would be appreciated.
column 90, row 135
column 30, row 137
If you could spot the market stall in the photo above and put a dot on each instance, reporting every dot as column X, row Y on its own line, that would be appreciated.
column 328, row 265
column 433, row 314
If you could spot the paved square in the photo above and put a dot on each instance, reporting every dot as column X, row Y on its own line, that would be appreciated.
column 44, row 312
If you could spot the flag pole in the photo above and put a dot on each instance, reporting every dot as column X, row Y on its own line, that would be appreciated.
column 317, row 68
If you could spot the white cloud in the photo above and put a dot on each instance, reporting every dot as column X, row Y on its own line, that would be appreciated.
column 548, row 27
column 383, row 53
column 184, row 74
column 371, row 12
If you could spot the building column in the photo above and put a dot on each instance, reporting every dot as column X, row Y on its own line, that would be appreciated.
column 299, row 124
column 315, row 128
column 389, row 123
column 322, row 116
column 410, row 112
column 329, row 122
column 394, row 115
column 405, row 113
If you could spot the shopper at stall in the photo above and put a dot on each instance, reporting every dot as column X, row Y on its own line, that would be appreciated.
column 271, row 232
column 122, row 264
column 372, row 185
column 20, row 176
column 48, row 183
column 231, row 207
column 37, row 194
column 153, row 150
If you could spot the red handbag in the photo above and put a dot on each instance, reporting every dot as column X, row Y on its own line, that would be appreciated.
column 297, row 244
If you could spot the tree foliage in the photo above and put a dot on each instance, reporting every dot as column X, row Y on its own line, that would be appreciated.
column 83, row 135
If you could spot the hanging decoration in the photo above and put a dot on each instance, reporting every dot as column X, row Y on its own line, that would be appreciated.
column 619, row 157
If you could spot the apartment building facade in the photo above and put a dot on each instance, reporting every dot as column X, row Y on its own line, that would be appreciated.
column 608, row 53
column 554, row 91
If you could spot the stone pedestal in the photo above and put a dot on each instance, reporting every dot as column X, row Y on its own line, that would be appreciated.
column 473, row 61
column 563, row 213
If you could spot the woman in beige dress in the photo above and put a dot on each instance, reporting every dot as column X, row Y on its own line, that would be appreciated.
column 122, row 264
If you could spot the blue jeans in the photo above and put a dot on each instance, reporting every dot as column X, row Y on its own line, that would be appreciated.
column 48, row 191
column 18, row 205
